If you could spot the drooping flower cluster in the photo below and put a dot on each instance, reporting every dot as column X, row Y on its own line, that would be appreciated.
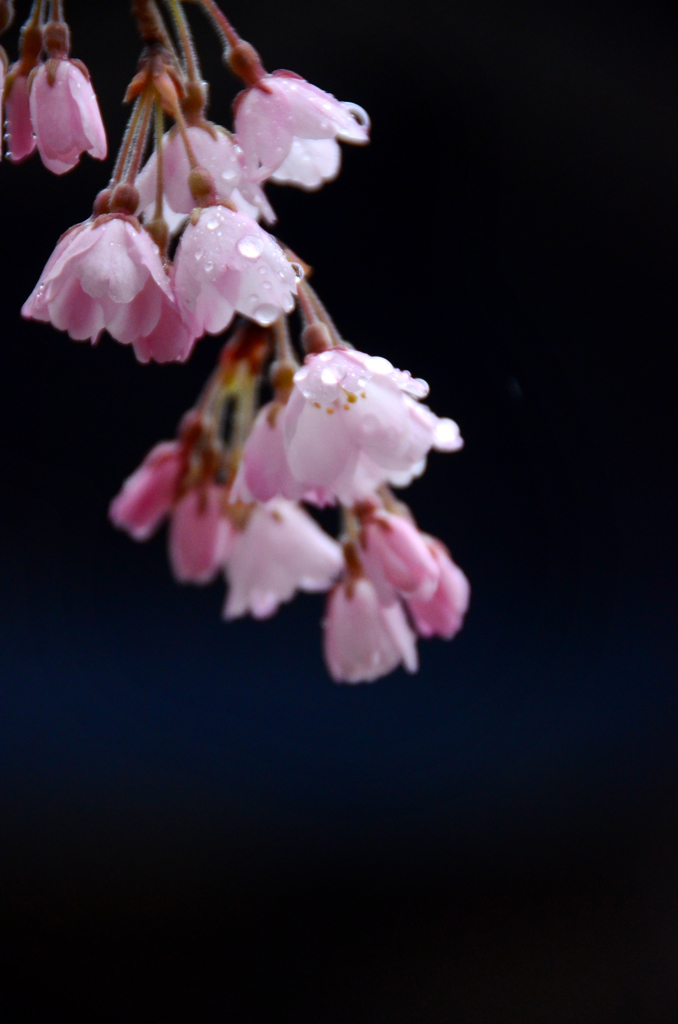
column 114, row 272
column 340, row 429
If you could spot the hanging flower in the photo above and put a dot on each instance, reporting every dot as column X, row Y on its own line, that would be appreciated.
column 225, row 264
column 65, row 115
column 280, row 550
column 282, row 108
column 348, row 412
column 19, row 134
column 107, row 274
column 364, row 639
column 443, row 613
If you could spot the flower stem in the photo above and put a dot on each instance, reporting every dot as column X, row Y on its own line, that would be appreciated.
column 159, row 119
column 137, row 152
column 224, row 29
column 314, row 311
column 127, row 141
column 186, row 40
column 181, row 125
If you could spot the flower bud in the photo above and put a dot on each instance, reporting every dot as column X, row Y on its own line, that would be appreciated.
column 102, row 203
column 245, row 62
column 124, row 199
column 201, row 186
column 57, row 39
column 316, row 338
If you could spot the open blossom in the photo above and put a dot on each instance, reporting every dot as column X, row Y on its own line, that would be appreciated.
column 200, row 537
column 19, row 133
column 309, row 164
column 282, row 108
column 225, row 264
column 443, row 613
column 280, row 550
column 107, row 274
column 364, row 639
column 264, row 471
column 350, row 411
column 216, row 152
column 65, row 115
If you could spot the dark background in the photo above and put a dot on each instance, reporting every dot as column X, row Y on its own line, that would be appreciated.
column 199, row 825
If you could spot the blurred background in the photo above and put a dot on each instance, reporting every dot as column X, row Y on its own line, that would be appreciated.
column 198, row 824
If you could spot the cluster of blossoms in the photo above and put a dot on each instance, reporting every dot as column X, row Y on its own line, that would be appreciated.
column 173, row 250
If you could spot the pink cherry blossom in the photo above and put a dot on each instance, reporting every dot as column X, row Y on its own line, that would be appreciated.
column 443, row 613
column 283, row 107
column 19, row 135
column 200, row 537
column 107, row 274
column 264, row 471
column 397, row 558
column 347, row 407
column 281, row 550
column 225, row 264
column 216, row 153
column 364, row 639
column 147, row 496
column 309, row 164
column 65, row 115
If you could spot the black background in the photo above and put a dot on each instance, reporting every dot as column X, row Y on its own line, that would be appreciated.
column 199, row 825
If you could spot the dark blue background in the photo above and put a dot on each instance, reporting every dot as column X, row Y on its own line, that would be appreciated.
column 196, row 820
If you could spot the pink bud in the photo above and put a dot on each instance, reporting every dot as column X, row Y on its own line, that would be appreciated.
column 19, row 129
column 264, row 471
column 200, row 537
column 395, row 551
column 442, row 614
column 66, row 116
column 148, row 494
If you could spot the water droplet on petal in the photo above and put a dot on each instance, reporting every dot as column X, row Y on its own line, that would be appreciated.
column 263, row 269
column 301, row 374
column 228, row 174
column 325, row 357
column 418, row 388
column 446, row 437
column 198, row 255
column 379, row 365
column 212, row 225
column 250, row 247
column 209, row 266
column 298, row 270
column 266, row 285
column 329, row 375
column 265, row 314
